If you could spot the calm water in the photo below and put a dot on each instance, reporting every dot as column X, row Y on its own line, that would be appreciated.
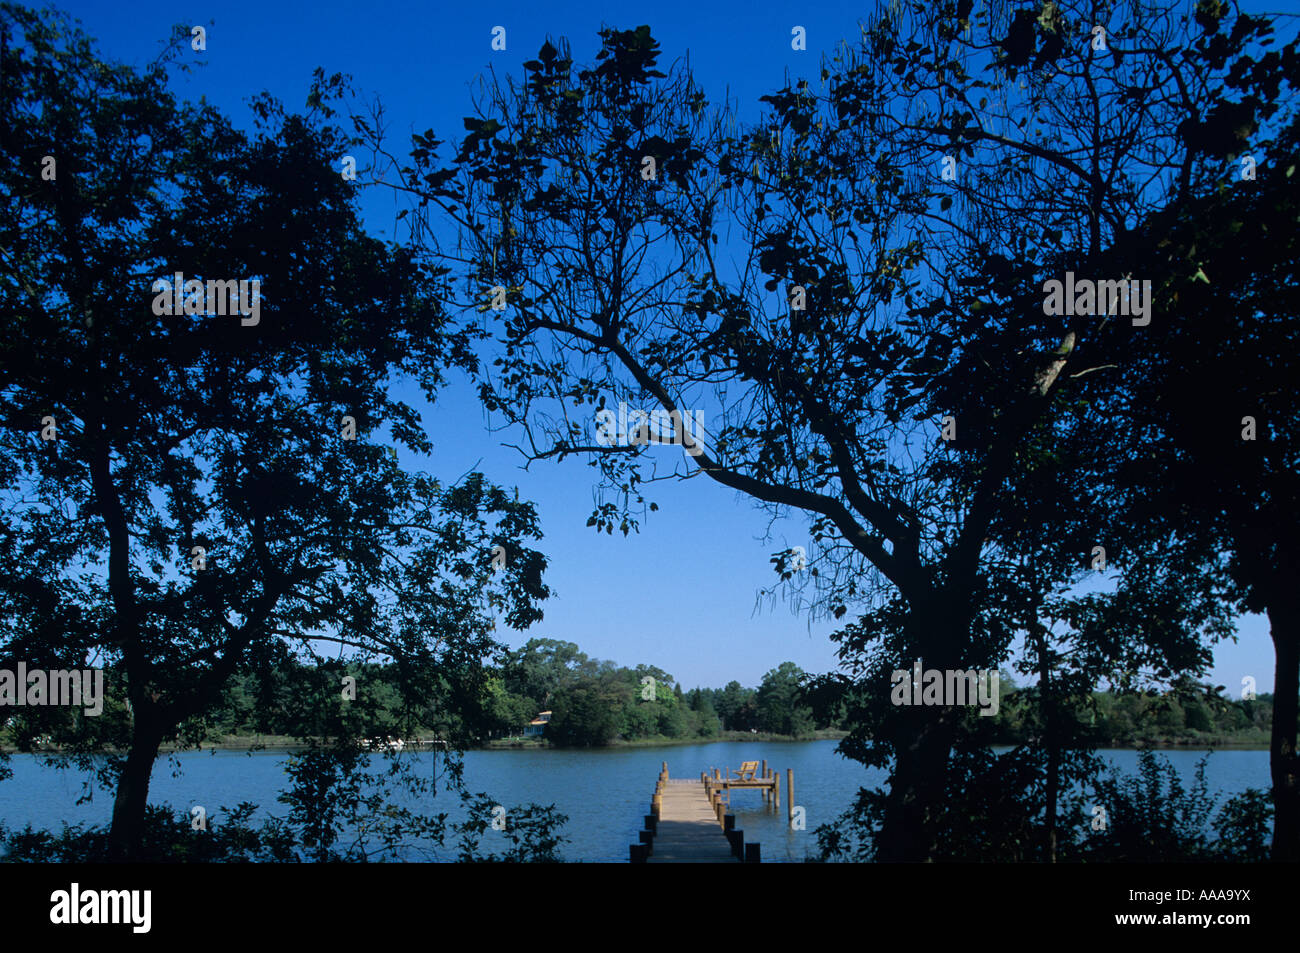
column 605, row 793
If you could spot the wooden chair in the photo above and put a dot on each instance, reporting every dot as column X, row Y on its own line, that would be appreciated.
column 747, row 772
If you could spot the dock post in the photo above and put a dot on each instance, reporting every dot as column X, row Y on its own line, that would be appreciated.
column 735, row 836
column 776, row 791
column 752, row 853
column 789, row 794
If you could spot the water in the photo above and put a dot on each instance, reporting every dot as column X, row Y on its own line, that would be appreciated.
column 605, row 792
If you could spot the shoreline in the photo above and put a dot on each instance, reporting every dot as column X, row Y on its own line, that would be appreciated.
column 280, row 743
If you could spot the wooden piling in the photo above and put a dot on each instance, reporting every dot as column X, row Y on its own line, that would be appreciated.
column 738, row 843
column 789, row 794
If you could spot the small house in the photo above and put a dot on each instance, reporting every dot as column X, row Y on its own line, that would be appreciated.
column 538, row 725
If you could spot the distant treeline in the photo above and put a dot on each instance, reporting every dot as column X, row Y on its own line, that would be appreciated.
column 1189, row 713
column 595, row 702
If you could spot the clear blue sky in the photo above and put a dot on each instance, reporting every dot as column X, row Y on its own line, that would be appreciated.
column 682, row 593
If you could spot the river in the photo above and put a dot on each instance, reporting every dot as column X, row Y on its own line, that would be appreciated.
column 605, row 792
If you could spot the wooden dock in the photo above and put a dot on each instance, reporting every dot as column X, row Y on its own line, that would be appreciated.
column 688, row 830
column 688, row 823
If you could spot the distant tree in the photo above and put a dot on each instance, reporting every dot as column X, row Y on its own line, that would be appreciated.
column 510, row 713
column 673, row 721
column 746, row 717
column 587, row 714
column 780, row 702
column 705, row 721
column 1169, row 715
column 542, row 667
column 735, row 707
column 1197, row 716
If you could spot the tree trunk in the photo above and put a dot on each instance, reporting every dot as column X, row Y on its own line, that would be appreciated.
column 126, row 834
column 939, row 629
column 1053, row 792
column 1284, row 626
column 917, row 788
column 1050, row 740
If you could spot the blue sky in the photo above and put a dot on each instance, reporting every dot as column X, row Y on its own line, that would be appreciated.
column 681, row 594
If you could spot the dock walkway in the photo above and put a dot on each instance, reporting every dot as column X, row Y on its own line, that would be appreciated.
column 687, row 831
column 689, row 823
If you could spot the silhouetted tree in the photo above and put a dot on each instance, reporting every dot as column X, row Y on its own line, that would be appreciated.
column 1201, row 428
column 202, row 504
column 835, row 304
